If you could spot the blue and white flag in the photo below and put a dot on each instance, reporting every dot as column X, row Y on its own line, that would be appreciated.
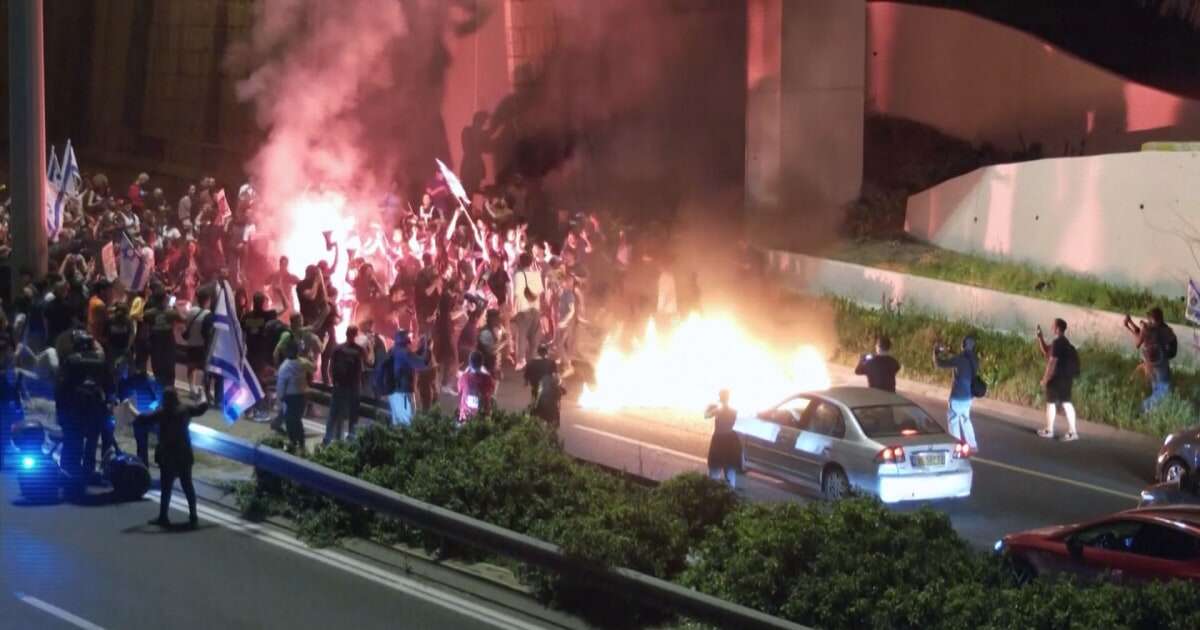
column 64, row 186
column 132, row 267
column 1193, row 302
column 227, row 357
column 453, row 182
column 52, row 171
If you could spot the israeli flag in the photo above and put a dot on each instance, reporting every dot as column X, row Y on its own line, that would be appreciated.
column 1193, row 302
column 453, row 182
column 64, row 186
column 52, row 171
column 132, row 268
column 227, row 357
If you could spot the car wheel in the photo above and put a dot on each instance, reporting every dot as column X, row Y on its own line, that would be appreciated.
column 834, row 484
column 1174, row 470
column 1023, row 571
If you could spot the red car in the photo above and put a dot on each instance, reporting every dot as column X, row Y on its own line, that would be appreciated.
column 1156, row 543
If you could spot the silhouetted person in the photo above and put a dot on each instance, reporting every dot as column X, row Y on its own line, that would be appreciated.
column 474, row 141
column 174, row 452
column 879, row 368
column 724, row 448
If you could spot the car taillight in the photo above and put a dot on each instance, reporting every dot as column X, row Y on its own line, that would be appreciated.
column 890, row 455
column 962, row 450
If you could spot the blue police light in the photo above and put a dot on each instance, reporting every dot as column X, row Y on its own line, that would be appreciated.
column 27, row 463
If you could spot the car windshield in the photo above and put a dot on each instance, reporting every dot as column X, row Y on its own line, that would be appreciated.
column 895, row 421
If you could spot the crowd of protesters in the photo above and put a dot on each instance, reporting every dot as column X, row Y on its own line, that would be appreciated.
column 436, row 298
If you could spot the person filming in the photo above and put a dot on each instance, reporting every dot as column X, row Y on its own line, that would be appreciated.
column 879, row 368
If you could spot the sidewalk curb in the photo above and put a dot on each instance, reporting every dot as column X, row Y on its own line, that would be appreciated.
column 450, row 574
column 1017, row 415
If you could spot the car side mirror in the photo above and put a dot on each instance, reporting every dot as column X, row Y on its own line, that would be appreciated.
column 1075, row 547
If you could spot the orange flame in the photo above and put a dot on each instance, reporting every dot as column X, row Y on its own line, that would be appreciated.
column 685, row 368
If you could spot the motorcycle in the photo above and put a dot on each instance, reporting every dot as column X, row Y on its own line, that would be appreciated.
column 42, row 479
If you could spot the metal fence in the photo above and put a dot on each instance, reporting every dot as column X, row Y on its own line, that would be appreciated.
column 469, row 531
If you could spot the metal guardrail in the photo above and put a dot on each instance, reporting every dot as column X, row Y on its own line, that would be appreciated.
column 464, row 529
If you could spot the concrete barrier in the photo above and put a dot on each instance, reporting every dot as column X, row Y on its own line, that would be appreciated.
column 983, row 307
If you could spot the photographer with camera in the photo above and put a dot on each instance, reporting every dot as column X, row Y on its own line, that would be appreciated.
column 879, row 368
column 965, row 387
column 1158, row 345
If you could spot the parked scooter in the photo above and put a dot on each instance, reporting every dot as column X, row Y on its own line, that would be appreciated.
column 42, row 479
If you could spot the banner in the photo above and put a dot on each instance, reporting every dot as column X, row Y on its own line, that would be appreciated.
column 1193, row 302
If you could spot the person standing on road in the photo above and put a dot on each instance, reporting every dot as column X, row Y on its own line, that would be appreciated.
column 1158, row 345
column 526, row 323
column 966, row 367
column 346, row 367
column 879, row 368
column 725, row 448
column 1062, row 366
column 291, row 385
column 174, row 452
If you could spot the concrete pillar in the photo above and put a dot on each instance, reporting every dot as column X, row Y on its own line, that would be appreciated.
column 804, row 114
column 27, row 133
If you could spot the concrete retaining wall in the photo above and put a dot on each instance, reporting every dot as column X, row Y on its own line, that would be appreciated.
column 986, row 308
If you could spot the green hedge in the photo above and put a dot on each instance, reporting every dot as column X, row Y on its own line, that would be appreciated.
column 853, row 564
column 1109, row 390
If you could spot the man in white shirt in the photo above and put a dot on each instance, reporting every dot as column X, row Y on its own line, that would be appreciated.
column 526, row 321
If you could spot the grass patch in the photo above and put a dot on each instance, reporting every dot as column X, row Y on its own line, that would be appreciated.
column 928, row 261
column 1109, row 390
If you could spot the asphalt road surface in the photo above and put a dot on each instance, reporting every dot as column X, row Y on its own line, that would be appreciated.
column 100, row 566
column 1021, row 481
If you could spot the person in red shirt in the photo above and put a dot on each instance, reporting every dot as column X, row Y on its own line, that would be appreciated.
column 475, row 389
column 137, row 192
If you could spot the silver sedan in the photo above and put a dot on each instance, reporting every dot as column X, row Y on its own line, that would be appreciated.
column 855, row 438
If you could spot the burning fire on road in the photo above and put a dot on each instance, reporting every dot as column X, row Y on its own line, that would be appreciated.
column 683, row 368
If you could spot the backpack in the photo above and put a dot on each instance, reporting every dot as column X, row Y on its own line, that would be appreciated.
column 344, row 366
column 1168, row 341
column 1071, row 366
column 384, row 381
column 979, row 387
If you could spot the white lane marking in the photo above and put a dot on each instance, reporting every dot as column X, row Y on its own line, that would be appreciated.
column 1068, row 481
column 627, row 440
column 345, row 563
column 51, row 609
column 1047, row 476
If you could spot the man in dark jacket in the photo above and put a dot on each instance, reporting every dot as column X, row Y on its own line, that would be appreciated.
column 879, row 368
column 174, row 452
column 965, row 366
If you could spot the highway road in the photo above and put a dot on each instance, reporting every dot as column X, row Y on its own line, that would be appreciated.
column 101, row 566
column 1021, row 481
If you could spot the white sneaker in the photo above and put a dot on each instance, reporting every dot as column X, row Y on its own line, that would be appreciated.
column 1046, row 433
column 1070, row 437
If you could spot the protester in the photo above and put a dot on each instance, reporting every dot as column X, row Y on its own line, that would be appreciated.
column 538, row 369
column 174, row 453
column 402, row 365
column 291, row 385
column 725, row 447
column 1062, row 366
column 346, row 367
column 1158, row 345
column 196, row 335
column 527, row 292
column 476, row 388
column 879, row 368
column 962, row 390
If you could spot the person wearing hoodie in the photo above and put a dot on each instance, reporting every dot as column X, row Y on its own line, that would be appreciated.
column 398, row 375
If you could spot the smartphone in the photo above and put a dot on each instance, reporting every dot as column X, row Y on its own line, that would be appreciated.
column 171, row 302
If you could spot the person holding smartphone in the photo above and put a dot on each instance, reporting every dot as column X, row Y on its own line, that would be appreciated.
column 880, row 368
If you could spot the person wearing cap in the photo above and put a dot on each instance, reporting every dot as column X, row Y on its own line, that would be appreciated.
column 404, row 364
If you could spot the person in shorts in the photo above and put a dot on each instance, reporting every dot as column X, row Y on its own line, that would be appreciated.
column 1062, row 366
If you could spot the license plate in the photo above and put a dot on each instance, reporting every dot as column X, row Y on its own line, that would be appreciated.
column 929, row 459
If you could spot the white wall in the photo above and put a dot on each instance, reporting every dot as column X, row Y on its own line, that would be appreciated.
column 986, row 82
column 1127, row 218
column 983, row 307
